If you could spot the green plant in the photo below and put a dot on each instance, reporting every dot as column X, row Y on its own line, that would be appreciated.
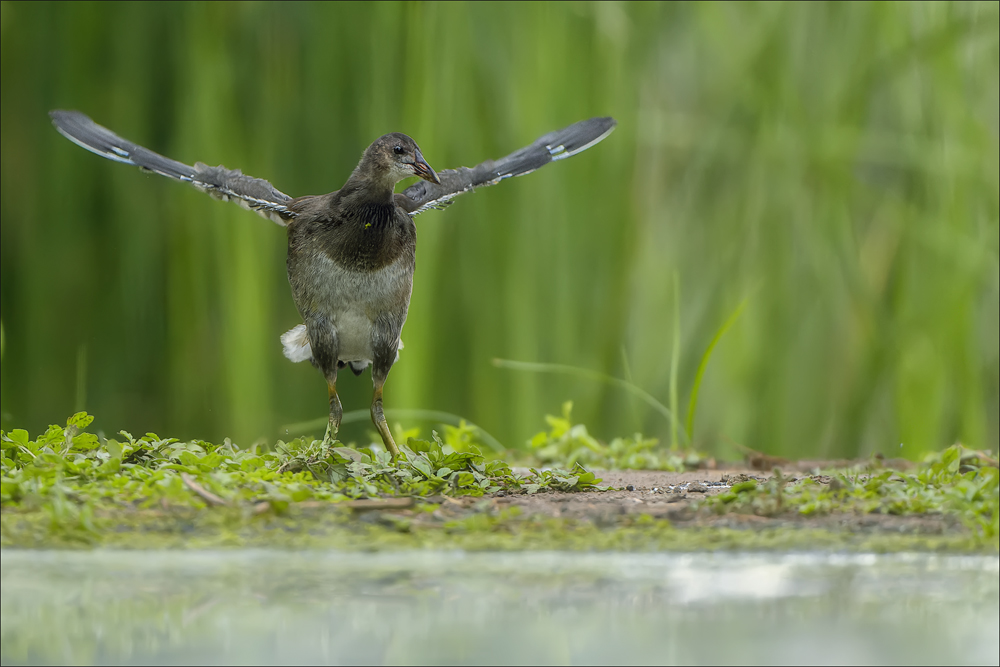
column 69, row 471
column 953, row 481
column 569, row 444
column 670, row 414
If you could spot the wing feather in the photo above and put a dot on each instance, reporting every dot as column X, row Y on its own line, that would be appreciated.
column 424, row 195
column 253, row 194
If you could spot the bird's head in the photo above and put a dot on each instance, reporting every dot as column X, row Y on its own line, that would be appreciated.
column 395, row 156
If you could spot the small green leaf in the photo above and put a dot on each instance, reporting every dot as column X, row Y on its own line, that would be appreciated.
column 113, row 448
column 350, row 454
column 18, row 436
column 743, row 487
column 423, row 466
column 81, row 420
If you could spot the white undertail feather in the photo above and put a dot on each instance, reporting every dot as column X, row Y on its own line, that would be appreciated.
column 296, row 346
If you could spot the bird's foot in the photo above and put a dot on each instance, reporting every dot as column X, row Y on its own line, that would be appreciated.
column 378, row 418
column 331, row 434
column 387, row 440
column 383, row 430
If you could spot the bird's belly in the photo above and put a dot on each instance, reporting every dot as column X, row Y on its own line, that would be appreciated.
column 355, row 303
column 354, row 333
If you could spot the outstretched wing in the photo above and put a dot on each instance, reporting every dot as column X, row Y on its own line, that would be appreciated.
column 253, row 194
column 557, row 145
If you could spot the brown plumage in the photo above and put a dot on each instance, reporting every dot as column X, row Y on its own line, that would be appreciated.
column 351, row 253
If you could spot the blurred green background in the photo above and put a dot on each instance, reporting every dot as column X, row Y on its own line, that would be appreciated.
column 834, row 164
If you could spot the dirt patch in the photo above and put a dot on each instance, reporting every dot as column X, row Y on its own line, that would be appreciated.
column 674, row 496
column 645, row 511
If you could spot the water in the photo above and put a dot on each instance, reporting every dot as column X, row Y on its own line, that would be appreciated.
column 117, row 607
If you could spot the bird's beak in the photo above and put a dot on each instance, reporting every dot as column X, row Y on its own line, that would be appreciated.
column 424, row 171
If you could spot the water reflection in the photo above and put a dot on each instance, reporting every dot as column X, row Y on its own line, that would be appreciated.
column 433, row 607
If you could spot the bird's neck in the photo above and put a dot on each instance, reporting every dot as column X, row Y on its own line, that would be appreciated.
column 369, row 186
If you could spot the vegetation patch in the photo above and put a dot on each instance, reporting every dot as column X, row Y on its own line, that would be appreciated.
column 70, row 488
column 957, row 482
column 569, row 444
column 67, row 468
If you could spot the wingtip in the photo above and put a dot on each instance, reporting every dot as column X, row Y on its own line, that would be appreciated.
column 65, row 117
column 607, row 125
column 597, row 128
column 62, row 113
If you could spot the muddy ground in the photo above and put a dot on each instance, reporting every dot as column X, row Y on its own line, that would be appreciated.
column 643, row 510
column 670, row 495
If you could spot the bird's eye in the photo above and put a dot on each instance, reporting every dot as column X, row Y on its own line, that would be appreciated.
column 398, row 150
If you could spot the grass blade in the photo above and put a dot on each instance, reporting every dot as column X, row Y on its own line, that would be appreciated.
column 703, row 364
column 564, row 369
column 675, row 355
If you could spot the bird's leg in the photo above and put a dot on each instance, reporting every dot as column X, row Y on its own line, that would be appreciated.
column 385, row 342
column 324, row 344
column 379, row 418
column 336, row 410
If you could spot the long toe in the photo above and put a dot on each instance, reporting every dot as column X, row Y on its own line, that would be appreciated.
column 331, row 434
column 387, row 440
column 383, row 430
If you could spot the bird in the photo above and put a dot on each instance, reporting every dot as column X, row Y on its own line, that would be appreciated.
column 352, row 252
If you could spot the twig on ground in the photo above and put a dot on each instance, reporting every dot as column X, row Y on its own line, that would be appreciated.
column 202, row 493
